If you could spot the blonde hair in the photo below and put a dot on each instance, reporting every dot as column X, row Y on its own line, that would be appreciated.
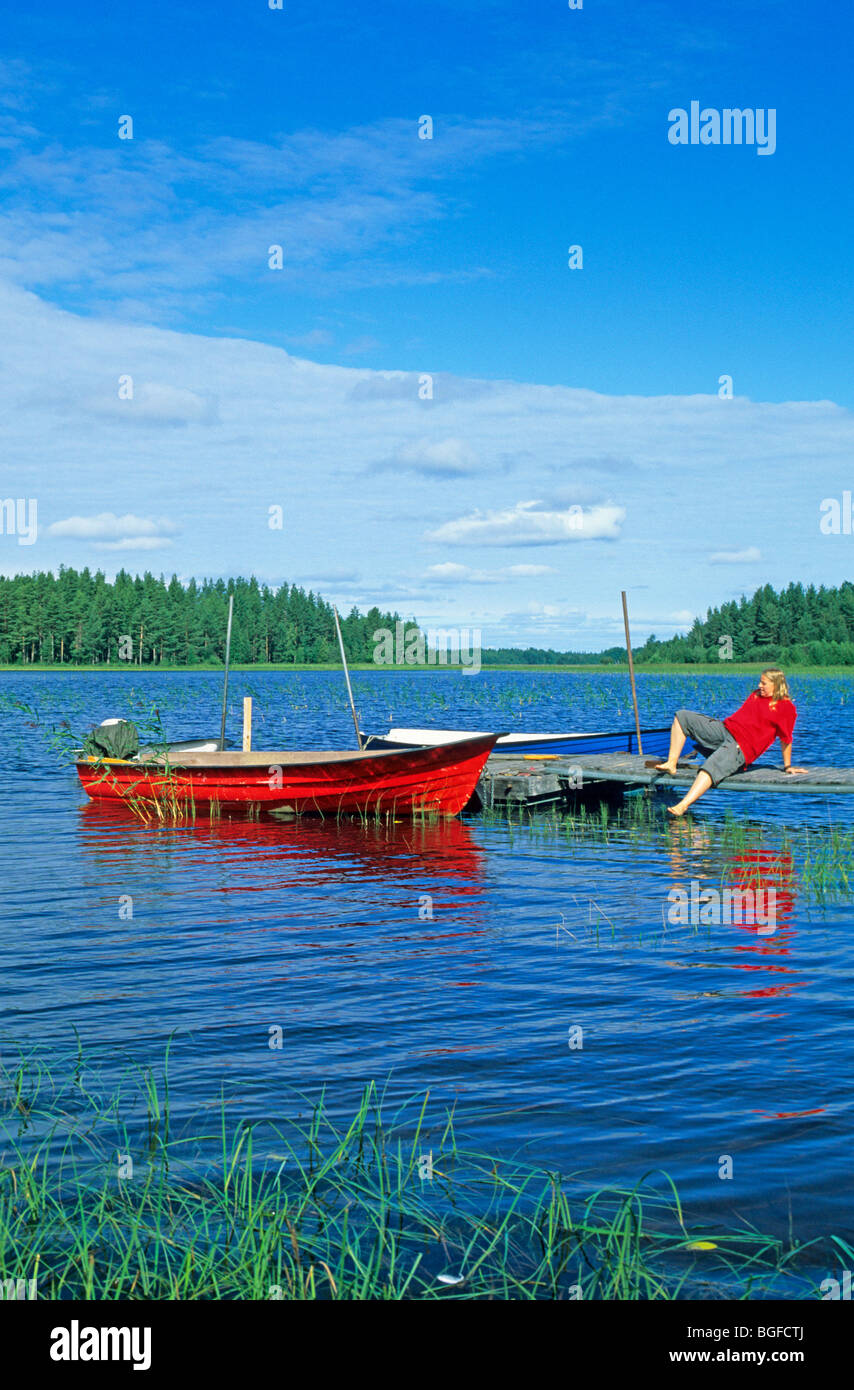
column 781, row 689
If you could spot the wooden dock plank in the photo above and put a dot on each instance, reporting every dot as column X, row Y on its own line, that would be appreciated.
column 760, row 777
column 546, row 781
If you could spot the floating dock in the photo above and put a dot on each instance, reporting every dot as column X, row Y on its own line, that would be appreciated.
column 549, row 781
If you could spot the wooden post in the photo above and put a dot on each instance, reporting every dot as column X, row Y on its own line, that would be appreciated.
column 247, row 723
column 632, row 672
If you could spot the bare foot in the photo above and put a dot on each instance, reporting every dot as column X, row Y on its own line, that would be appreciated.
column 677, row 810
column 666, row 767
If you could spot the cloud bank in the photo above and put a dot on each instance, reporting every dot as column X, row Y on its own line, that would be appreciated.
column 234, row 457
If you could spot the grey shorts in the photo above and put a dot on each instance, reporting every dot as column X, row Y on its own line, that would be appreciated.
column 722, row 754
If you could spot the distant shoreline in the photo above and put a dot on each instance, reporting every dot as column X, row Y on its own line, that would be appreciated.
column 719, row 668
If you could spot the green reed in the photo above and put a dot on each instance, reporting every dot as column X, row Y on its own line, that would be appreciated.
column 385, row 1204
column 822, row 858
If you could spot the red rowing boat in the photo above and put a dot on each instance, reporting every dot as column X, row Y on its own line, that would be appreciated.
column 438, row 780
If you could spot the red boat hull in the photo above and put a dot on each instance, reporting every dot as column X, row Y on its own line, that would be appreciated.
column 437, row 780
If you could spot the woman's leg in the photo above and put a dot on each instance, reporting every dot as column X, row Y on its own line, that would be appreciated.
column 698, row 788
column 677, row 743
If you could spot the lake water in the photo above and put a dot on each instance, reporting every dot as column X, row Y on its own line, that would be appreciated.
column 698, row 1042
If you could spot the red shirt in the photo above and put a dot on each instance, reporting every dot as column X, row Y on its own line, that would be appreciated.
column 756, row 725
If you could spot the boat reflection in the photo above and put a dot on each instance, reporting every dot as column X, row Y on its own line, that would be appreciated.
column 323, row 923
column 443, row 851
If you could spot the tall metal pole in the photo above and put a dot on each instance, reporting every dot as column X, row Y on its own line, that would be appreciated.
column 631, row 671
column 347, row 677
column 225, row 681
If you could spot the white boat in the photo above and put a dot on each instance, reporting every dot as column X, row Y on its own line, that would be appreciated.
column 655, row 741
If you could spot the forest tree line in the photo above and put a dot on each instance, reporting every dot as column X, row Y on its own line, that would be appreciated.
column 80, row 618
column 796, row 627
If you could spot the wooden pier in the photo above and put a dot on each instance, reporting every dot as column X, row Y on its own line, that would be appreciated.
column 549, row 781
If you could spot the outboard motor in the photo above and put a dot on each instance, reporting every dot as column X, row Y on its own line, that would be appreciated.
column 115, row 738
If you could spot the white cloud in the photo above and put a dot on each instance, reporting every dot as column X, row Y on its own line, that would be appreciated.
column 156, row 403
column 135, row 543
column 750, row 556
column 404, row 386
column 305, row 436
column 527, row 524
column 156, row 234
column 450, row 572
column 106, row 531
column 434, row 458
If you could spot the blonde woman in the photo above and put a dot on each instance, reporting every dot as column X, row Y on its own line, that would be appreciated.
column 732, row 744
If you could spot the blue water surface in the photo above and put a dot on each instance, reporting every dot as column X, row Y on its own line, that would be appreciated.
column 453, row 957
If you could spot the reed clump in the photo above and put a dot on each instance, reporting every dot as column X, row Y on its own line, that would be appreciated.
column 171, row 804
column 379, row 1205
column 820, row 859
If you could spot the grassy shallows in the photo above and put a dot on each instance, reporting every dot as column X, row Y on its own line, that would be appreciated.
column 821, row 859
column 314, row 1208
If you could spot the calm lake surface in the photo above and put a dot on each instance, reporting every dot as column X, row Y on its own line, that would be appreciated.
column 698, row 1041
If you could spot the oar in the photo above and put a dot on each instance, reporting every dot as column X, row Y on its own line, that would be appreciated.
column 632, row 671
column 347, row 677
column 225, row 681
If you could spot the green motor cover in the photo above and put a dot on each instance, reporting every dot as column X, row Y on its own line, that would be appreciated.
column 118, row 740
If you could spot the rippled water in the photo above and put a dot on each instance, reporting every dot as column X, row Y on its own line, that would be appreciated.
column 698, row 1041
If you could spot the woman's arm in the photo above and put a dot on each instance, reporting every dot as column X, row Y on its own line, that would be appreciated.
column 787, row 758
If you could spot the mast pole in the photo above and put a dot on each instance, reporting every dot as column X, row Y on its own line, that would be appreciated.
column 347, row 677
column 225, row 680
column 632, row 671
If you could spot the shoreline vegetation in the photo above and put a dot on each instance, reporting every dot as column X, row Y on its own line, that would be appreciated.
column 670, row 668
column 104, row 1197
column 80, row 620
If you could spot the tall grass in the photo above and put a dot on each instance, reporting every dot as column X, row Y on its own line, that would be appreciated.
column 822, row 859
column 376, row 1206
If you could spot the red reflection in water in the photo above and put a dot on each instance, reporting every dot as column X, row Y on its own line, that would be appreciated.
column 766, row 871
column 325, row 886
column 788, row 1114
column 770, row 876
column 272, row 853
column 765, row 886
column 332, row 931
column 759, row 873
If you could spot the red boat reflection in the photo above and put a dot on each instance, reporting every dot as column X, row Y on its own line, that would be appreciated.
column 442, row 850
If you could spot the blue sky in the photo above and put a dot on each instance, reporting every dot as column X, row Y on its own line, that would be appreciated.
column 553, row 387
